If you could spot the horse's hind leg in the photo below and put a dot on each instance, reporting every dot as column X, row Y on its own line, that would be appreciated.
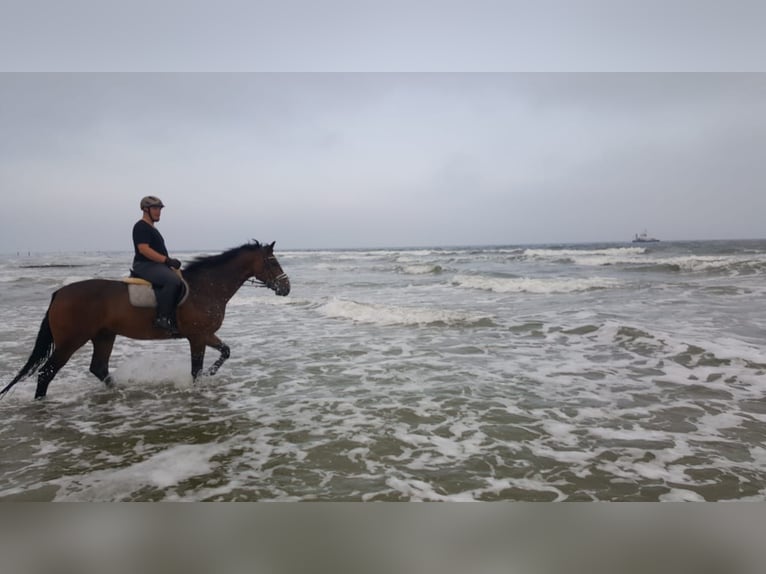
column 102, row 350
column 52, row 366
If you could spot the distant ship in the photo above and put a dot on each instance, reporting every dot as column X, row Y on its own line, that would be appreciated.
column 644, row 238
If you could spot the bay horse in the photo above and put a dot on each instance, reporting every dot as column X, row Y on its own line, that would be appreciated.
column 98, row 310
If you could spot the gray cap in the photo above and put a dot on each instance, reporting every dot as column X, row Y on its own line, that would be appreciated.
column 151, row 201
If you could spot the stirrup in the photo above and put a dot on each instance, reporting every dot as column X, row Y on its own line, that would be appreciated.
column 166, row 324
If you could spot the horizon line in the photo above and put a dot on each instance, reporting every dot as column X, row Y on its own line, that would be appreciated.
column 29, row 252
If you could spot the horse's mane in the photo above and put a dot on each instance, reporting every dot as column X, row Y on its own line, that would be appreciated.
column 209, row 261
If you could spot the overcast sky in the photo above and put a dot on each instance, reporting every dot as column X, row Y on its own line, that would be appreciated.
column 344, row 158
column 366, row 160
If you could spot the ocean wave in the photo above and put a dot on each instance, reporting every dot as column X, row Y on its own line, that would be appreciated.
column 420, row 269
column 384, row 382
column 394, row 315
column 639, row 259
column 656, row 267
column 530, row 285
column 606, row 256
column 712, row 264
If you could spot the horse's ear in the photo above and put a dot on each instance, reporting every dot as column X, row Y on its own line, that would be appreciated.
column 271, row 246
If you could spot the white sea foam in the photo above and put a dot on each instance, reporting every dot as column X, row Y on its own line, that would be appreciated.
column 422, row 269
column 681, row 495
column 533, row 285
column 604, row 256
column 161, row 470
column 635, row 434
column 639, row 256
column 383, row 381
column 731, row 265
column 395, row 315
column 10, row 278
column 152, row 367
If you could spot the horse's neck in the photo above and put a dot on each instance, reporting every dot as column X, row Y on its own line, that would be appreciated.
column 222, row 281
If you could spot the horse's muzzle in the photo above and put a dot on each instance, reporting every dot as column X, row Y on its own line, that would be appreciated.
column 280, row 285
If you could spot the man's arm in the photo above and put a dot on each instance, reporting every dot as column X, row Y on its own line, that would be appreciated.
column 151, row 254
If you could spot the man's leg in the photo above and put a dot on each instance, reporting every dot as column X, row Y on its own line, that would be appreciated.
column 167, row 283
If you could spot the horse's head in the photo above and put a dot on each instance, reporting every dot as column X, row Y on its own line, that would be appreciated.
column 270, row 272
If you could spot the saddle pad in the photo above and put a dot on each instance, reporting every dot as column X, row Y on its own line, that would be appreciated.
column 142, row 294
column 135, row 281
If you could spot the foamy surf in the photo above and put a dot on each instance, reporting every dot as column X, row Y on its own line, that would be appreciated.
column 606, row 256
column 544, row 286
column 424, row 269
column 603, row 372
column 393, row 315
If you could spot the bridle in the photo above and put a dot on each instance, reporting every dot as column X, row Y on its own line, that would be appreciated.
column 268, row 264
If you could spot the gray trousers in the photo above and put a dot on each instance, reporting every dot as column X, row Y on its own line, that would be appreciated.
column 166, row 282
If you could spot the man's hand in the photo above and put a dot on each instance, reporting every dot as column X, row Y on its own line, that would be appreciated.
column 172, row 263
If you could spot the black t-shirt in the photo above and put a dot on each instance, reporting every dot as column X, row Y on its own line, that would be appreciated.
column 145, row 233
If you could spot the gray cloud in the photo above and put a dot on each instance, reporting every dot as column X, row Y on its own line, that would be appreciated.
column 397, row 35
column 323, row 160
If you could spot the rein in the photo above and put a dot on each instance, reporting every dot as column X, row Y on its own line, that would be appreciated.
column 258, row 283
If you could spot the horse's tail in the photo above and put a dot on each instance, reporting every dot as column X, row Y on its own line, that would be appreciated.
column 41, row 353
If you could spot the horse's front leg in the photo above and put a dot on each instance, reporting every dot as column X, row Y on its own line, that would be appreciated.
column 197, row 347
column 221, row 347
column 198, row 354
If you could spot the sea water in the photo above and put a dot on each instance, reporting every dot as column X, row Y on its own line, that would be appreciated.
column 632, row 372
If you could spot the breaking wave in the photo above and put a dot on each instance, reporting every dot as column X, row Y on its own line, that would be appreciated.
column 530, row 285
column 395, row 315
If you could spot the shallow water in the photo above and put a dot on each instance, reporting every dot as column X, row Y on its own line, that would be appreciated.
column 535, row 373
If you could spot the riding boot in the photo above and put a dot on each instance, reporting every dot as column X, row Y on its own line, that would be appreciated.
column 165, row 316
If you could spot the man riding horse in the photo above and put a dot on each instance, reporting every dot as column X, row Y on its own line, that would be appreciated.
column 151, row 262
column 97, row 310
